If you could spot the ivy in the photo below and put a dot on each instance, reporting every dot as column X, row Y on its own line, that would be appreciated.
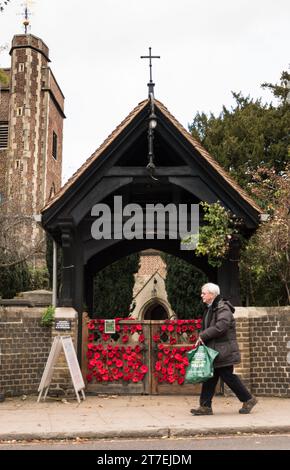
column 215, row 234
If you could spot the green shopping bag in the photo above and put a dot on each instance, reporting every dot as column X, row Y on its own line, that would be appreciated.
column 200, row 367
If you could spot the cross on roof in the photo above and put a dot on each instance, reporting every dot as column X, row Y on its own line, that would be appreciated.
column 151, row 84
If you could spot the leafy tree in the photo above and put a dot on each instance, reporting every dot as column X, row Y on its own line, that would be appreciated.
column 252, row 141
column 113, row 288
column 215, row 234
column 265, row 264
column 183, row 283
column 250, row 134
column 280, row 90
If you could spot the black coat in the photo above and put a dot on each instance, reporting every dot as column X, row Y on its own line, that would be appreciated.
column 220, row 333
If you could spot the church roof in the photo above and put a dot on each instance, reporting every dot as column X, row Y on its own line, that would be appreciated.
column 156, row 273
column 195, row 144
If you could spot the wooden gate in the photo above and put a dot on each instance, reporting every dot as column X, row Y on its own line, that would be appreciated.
column 140, row 357
column 169, row 342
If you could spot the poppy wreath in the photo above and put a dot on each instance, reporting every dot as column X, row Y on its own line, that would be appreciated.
column 111, row 362
column 171, row 363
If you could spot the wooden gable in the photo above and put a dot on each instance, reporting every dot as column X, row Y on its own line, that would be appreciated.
column 181, row 162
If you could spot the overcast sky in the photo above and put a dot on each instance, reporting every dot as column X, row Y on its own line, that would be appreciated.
column 207, row 48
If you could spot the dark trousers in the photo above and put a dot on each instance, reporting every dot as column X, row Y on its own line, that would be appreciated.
column 232, row 380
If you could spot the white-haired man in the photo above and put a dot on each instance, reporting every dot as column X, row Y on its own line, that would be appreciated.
column 219, row 332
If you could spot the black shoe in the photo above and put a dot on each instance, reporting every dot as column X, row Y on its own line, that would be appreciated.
column 248, row 406
column 202, row 410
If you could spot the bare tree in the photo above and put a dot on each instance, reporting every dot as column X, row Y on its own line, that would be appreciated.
column 21, row 239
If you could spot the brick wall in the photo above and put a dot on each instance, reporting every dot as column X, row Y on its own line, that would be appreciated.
column 53, row 167
column 24, row 349
column 264, row 335
column 150, row 262
column 244, row 339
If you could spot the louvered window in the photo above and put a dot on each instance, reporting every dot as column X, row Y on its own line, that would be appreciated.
column 3, row 135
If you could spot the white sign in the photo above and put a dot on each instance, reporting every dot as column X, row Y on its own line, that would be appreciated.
column 64, row 325
column 65, row 343
column 110, row 326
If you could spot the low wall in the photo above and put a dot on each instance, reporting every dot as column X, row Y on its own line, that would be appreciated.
column 264, row 339
column 25, row 346
column 263, row 336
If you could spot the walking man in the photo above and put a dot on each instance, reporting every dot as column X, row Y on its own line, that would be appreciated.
column 219, row 332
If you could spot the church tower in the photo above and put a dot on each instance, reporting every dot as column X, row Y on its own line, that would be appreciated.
column 31, row 128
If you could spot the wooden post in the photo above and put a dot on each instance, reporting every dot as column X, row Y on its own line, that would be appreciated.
column 229, row 274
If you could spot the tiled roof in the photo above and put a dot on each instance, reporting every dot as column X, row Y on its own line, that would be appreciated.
column 202, row 152
column 139, row 289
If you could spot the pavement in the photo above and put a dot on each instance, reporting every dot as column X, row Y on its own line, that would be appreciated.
column 111, row 416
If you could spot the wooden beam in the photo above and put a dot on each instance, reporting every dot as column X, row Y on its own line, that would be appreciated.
column 141, row 171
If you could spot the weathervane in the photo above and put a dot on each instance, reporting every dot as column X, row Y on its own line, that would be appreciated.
column 151, row 84
column 26, row 14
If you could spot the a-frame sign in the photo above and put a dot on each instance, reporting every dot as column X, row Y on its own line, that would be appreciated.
column 65, row 343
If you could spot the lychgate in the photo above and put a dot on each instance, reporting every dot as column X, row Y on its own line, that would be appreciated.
column 183, row 173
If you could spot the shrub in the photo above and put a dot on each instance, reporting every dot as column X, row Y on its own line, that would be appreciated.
column 48, row 316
